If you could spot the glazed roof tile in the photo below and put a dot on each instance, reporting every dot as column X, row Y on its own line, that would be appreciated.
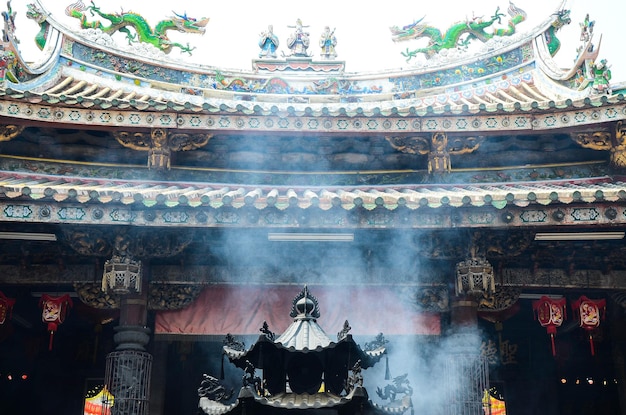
column 215, row 408
column 304, row 400
column 526, row 92
column 14, row 185
column 304, row 335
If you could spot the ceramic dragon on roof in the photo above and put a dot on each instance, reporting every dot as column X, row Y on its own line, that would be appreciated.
column 459, row 34
column 121, row 22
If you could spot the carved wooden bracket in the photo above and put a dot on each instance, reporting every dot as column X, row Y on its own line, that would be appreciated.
column 438, row 148
column 618, row 152
column 138, row 243
column 602, row 140
column 10, row 131
column 160, row 144
column 595, row 140
column 160, row 296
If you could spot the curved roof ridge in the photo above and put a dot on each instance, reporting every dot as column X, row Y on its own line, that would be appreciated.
column 438, row 62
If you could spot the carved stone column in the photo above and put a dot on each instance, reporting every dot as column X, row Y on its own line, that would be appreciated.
column 466, row 371
column 129, row 367
column 127, row 284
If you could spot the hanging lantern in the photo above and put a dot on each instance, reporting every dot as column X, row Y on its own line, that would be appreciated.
column 589, row 312
column 54, row 310
column 6, row 306
column 121, row 276
column 550, row 313
column 122, row 273
column 474, row 277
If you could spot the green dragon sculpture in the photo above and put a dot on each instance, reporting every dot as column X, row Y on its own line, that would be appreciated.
column 121, row 22
column 562, row 18
column 35, row 13
column 459, row 34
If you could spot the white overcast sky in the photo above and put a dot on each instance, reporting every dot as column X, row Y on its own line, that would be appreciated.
column 361, row 27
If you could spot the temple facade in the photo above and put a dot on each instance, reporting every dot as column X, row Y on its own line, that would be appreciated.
column 472, row 208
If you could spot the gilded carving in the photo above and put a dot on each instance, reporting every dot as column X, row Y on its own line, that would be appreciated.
column 432, row 299
column 171, row 296
column 410, row 145
column 439, row 158
column 438, row 147
column 92, row 295
column 139, row 243
column 464, row 145
column 618, row 152
column 10, row 131
column 602, row 140
column 160, row 296
column 160, row 144
column 597, row 140
column 502, row 299
column 88, row 242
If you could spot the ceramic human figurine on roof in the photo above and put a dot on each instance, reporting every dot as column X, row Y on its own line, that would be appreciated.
column 298, row 42
column 601, row 74
column 268, row 42
column 328, row 41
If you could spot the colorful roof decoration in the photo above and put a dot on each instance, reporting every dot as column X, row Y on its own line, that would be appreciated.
column 87, row 69
column 442, row 111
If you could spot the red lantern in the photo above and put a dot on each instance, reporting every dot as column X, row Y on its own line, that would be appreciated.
column 54, row 310
column 6, row 306
column 551, row 314
column 589, row 313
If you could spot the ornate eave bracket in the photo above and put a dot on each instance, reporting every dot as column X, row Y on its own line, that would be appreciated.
column 438, row 147
column 160, row 144
column 138, row 243
column 10, row 131
column 160, row 296
column 603, row 140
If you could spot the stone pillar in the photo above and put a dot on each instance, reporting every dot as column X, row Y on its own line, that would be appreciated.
column 129, row 367
column 464, row 313
column 466, row 372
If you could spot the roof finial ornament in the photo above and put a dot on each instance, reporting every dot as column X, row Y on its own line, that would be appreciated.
column 305, row 306
column 265, row 329
column 343, row 333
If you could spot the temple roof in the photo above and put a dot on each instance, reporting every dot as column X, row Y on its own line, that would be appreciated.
column 508, row 75
column 164, row 195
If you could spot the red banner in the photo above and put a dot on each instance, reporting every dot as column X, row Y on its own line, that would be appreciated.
column 241, row 310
